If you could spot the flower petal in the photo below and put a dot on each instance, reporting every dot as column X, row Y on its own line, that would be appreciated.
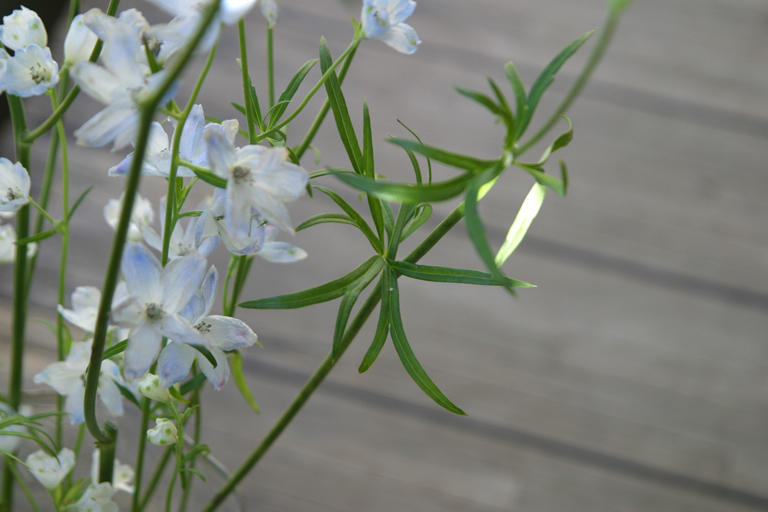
column 219, row 376
column 226, row 333
column 143, row 348
column 142, row 272
column 174, row 363
column 402, row 38
column 181, row 277
column 282, row 252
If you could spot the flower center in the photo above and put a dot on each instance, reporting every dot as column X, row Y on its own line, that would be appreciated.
column 154, row 311
column 38, row 73
column 203, row 327
column 11, row 194
column 241, row 175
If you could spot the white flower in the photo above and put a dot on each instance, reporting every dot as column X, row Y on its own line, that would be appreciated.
column 219, row 332
column 22, row 28
column 67, row 378
column 79, row 43
column 121, row 85
column 97, row 498
column 149, row 386
column 163, row 434
column 156, row 295
column 50, row 470
column 14, row 186
column 85, row 308
column 141, row 216
column 230, row 11
column 122, row 475
column 270, row 11
column 30, row 72
column 258, row 178
column 8, row 245
column 183, row 241
column 279, row 252
column 103, row 25
column 383, row 20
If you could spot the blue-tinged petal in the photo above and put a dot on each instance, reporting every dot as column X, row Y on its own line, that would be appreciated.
column 97, row 82
column 375, row 18
column 107, row 125
column 121, row 56
column 282, row 252
column 22, row 28
column 239, row 208
column 221, row 153
column 181, row 277
column 194, row 309
column 219, row 376
column 176, row 328
column 192, row 135
column 143, row 273
column 109, row 393
column 143, row 348
column 287, row 183
column 226, row 333
column 73, row 405
column 272, row 209
column 399, row 10
column 177, row 7
column 208, row 289
column 402, row 38
column 14, row 186
column 30, row 72
column 62, row 377
column 174, row 363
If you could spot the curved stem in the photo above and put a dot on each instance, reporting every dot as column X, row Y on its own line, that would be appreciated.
column 250, row 114
column 605, row 38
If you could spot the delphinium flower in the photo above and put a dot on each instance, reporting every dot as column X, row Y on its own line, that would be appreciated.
column 50, row 470
column 85, row 309
column 219, row 332
column 383, row 20
column 188, row 15
column 68, row 379
column 271, row 11
column 156, row 296
column 8, row 244
column 122, row 475
column 121, row 84
column 259, row 178
column 97, row 498
column 183, row 241
column 141, row 216
column 14, row 186
column 79, row 43
column 31, row 71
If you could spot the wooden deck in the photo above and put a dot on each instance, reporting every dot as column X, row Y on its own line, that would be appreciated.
column 633, row 378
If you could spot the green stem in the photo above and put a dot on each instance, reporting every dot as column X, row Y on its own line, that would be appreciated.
column 25, row 488
column 250, row 115
column 350, row 49
column 107, row 454
column 179, row 448
column 605, row 38
column 196, row 440
column 155, row 480
column 324, row 110
column 141, row 450
column 270, row 66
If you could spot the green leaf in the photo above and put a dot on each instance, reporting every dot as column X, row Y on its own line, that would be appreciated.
column 205, row 353
column 78, row 202
column 193, row 383
column 617, row 6
column 330, row 171
column 453, row 159
column 359, row 221
column 238, row 107
column 547, row 76
column 323, row 293
column 407, row 193
column 389, row 217
column 210, row 178
column 348, row 302
column 397, row 233
column 340, row 113
column 256, row 107
column 560, row 142
column 482, row 99
column 453, row 275
column 528, row 211
column 407, row 357
column 323, row 218
column 506, row 113
column 415, row 165
column 382, row 328
column 564, row 176
column 422, row 216
column 558, row 185
column 238, row 375
column 116, row 349
column 194, row 472
column 128, row 394
column 177, row 395
column 373, row 204
column 37, row 238
column 290, row 91
column 521, row 101
column 476, row 229
column 429, row 162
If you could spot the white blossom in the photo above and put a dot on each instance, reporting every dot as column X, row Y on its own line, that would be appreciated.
column 156, row 295
column 163, row 434
column 219, row 332
column 149, row 386
column 30, row 72
column 141, row 216
column 8, row 245
column 22, row 28
column 383, row 20
column 97, row 498
column 79, row 43
column 259, row 178
column 271, row 11
column 14, row 186
column 183, row 241
column 50, row 470
column 122, row 475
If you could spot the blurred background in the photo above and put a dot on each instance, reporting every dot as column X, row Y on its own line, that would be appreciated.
column 633, row 378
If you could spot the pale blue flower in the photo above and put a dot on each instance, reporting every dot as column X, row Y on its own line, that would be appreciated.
column 259, row 178
column 79, row 43
column 50, row 470
column 219, row 332
column 183, row 241
column 156, row 296
column 383, row 20
column 14, row 186
column 97, row 498
column 68, row 379
column 22, row 28
column 30, row 72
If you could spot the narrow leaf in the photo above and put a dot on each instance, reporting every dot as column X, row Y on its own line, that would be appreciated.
column 429, row 162
column 340, row 112
column 193, row 383
column 323, row 293
column 36, row 238
column 422, row 216
column 373, row 203
column 528, row 211
column 407, row 357
column 206, row 353
column 210, row 178
column 238, row 376
column 382, row 328
column 560, row 142
column 480, row 98
column 323, row 218
column 128, row 395
column 290, row 91
column 116, row 349
column 78, row 202
column 453, row 159
column 453, row 275
column 238, row 107
column 397, row 233
column 359, row 221
column 521, row 101
column 407, row 193
column 545, row 179
column 348, row 302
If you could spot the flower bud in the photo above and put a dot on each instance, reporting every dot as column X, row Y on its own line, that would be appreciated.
column 270, row 11
column 22, row 28
column 163, row 434
column 79, row 42
column 149, row 386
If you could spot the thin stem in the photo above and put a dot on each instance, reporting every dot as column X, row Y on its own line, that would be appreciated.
column 196, row 439
column 324, row 109
column 270, row 66
column 155, row 480
column 605, row 38
column 24, row 488
column 350, row 49
column 107, row 455
column 250, row 115
column 141, row 450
